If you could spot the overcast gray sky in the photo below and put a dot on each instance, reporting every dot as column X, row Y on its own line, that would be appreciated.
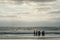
column 28, row 13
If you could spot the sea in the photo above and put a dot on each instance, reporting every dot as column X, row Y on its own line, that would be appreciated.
column 29, row 37
column 52, row 36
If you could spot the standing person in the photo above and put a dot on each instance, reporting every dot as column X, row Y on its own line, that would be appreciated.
column 43, row 33
column 39, row 33
column 34, row 33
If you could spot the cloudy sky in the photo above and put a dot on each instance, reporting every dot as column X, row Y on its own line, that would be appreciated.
column 29, row 13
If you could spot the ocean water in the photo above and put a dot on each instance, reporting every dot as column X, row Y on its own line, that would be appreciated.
column 30, row 39
column 29, row 36
column 33, row 39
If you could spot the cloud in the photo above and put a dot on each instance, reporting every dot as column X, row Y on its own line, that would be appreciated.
column 27, row 15
column 55, row 12
column 8, row 23
column 42, row 0
column 40, row 24
column 11, row 1
column 29, row 24
column 18, row 1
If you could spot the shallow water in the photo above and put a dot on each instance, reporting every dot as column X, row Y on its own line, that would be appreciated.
column 32, row 39
column 30, row 36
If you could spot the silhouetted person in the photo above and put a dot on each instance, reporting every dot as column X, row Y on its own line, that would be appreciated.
column 43, row 33
column 39, row 33
column 34, row 33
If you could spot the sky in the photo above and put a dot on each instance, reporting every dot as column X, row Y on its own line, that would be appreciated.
column 29, row 13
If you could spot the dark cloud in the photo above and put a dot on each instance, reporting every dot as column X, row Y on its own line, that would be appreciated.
column 18, row 1
column 22, row 1
column 42, row 0
column 56, row 19
column 30, row 24
column 55, row 12
column 7, row 23
column 38, row 24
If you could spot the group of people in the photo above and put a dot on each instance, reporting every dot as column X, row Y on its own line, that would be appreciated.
column 38, row 33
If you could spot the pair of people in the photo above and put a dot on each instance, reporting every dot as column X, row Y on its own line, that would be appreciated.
column 38, row 33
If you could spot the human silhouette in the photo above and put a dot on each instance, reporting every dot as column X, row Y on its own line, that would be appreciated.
column 34, row 33
column 43, row 33
column 39, row 33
